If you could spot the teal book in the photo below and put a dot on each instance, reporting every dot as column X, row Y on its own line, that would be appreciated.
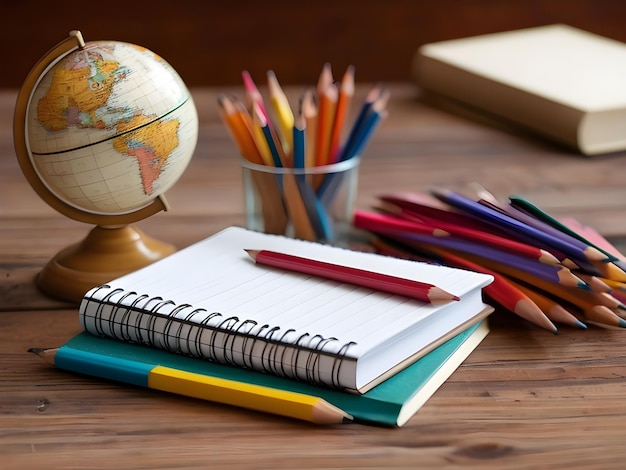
column 391, row 403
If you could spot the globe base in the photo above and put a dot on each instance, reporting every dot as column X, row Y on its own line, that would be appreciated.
column 105, row 254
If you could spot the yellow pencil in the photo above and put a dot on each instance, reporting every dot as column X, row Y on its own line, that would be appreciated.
column 230, row 392
column 282, row 111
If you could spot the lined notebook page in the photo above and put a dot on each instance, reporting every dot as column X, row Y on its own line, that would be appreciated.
column 222, row 286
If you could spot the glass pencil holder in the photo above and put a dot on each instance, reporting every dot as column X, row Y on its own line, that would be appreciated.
column 314, row 203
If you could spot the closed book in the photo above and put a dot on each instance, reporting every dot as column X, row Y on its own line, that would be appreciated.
column 391, row 403
column 211, row 301
column 562, row 82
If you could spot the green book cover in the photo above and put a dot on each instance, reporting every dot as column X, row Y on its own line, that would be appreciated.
column 391, row 403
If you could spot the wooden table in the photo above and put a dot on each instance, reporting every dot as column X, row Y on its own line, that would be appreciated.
column 524, row 399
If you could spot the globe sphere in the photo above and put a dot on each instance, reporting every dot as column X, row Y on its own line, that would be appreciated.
column 109, row 127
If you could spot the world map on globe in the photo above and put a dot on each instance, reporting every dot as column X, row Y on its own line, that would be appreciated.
column 110, row 126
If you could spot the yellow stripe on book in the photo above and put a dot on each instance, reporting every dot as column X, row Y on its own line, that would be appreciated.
column 245, row 395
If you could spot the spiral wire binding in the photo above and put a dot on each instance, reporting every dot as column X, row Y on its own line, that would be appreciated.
column 230, row 341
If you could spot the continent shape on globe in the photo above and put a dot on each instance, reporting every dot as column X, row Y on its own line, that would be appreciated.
column 110, row 127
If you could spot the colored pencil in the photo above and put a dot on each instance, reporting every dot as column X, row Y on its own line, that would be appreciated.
column 508, row 261
column 502, row 291
column 309, row 111
column 377, row 113
column 595, row 283
column 405, row 222
column 534, row 210
column 326, row 115
column 593, row 308
column 515, row 227
column 540, row 225
column 370, row 99
column 422, row 205
column 318, row 217
column 262, row 123
column 240, row 133
column 324, row 81
column 346, row 91
column 253, row 95
column 230, row 392
column 273, row 212
column 553, row 310
column 282, row 111
column 297, row 209
column 423, row 291
column 299, row 141
column 570, row 294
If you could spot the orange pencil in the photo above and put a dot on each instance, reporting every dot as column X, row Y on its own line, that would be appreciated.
column 324, row 81
column 572, row 295
column 553, row 310
column 346, row 92
column 326, row 116
column 601, row 315
column 598, row 314
column 238, row 130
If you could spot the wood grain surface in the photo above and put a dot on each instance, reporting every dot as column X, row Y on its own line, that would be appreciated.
column 524, row 398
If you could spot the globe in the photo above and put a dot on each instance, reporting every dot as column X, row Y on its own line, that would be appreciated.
column 102, row 130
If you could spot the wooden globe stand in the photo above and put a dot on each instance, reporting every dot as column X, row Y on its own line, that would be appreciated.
column 105, row 254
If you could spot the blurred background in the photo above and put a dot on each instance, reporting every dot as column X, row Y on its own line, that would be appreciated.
column 211, row 42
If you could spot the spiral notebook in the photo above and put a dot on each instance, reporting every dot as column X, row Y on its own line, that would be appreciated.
column 212, row 301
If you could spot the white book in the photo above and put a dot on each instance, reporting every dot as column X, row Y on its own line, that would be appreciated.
column 563, row 82
column 212, row 301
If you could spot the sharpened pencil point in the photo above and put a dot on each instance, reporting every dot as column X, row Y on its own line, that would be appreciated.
column 581, row 325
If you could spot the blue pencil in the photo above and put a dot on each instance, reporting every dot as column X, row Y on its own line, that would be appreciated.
column 366, row 129
column 558, row 274
column 321, row 223
column 267, row 133
column 515, row 227
column 371, row 97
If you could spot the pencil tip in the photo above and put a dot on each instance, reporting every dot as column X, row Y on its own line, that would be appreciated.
column 252, row 253
column 581, row 325
column 37, row 351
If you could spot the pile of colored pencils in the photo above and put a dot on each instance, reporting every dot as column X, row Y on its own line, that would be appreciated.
column 544, row 271
column 313, row 135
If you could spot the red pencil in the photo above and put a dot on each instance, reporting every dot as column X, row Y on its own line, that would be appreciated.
column 395, row 285
column 388, row 223
column 502, row 291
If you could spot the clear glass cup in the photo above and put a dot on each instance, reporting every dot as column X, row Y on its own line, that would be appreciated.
column 314, row 203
